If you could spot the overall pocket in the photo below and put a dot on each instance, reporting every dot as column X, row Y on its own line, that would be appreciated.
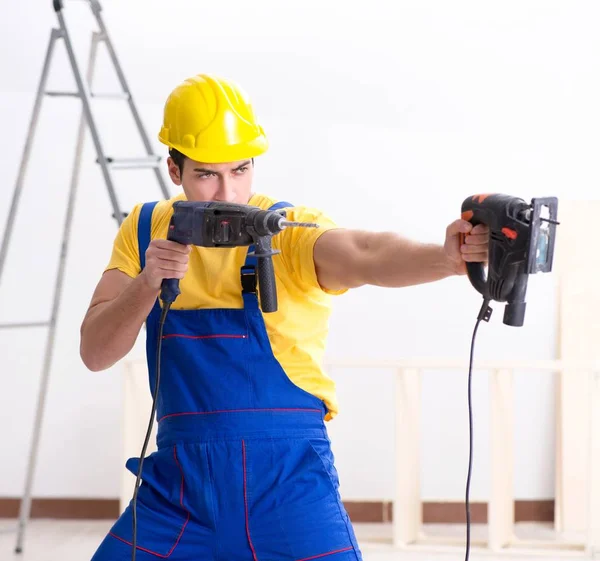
column 161, row 513
column 294, row 508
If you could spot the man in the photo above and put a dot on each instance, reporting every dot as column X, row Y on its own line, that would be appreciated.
column 244, row 468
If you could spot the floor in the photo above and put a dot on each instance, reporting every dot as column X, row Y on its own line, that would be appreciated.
column 48, row 540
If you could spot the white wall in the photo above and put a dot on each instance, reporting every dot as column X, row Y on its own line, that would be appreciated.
column 387, row 115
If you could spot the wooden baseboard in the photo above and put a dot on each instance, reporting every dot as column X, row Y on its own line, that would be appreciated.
column 359, row 511
column 84, row 509
column 451, row 512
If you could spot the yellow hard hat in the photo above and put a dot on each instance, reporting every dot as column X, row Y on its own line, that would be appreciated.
column 211, row 120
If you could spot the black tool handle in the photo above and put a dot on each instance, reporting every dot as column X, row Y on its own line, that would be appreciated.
column 478, row 278
column 170, row 287
column 266, row 285
column 475, row 271
column 266, row 275
column 58, row 5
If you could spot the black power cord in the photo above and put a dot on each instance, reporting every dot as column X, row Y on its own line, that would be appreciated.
column 484, row 314
column 163, row 317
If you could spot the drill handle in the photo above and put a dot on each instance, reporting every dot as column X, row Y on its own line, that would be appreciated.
column 475, row 271
column 478, row 278
column 170, row 287
column 266, row 285
column 266, row 274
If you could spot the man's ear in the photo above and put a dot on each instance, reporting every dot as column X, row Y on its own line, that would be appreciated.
column 174, row 171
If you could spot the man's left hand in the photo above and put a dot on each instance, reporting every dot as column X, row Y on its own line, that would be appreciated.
column 474, row 249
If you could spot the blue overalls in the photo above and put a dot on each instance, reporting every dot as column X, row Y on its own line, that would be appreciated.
column 243, row 469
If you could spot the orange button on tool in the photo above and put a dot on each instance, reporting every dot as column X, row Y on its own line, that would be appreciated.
column 509, row 233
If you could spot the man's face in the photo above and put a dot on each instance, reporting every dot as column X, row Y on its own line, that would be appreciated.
column 230, row 182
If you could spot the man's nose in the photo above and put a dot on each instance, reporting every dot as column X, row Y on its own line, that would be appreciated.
column 226, row 192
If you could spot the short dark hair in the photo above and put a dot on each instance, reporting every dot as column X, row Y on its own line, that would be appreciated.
column 178, row 158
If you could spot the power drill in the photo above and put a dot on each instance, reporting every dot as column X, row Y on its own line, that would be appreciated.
column 226, row 225
column 521, row 243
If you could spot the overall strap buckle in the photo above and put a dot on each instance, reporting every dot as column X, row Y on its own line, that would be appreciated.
column 249, row 284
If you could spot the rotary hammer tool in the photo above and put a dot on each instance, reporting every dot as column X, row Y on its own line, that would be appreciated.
column 226, row 225
column 521, row 243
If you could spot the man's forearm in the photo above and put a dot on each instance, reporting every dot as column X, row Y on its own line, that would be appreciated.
column 393, row 261
column 111, row 328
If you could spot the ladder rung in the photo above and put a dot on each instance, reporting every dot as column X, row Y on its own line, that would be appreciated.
column 63, row 94
column 121, row 95
column 30, row 324
column 128, row 163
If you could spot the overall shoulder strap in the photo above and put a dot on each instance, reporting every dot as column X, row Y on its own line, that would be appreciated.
column 279, row 205
column 145, row 230
column 248, row 271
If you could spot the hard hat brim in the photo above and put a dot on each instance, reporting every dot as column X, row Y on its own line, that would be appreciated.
column 223, row 154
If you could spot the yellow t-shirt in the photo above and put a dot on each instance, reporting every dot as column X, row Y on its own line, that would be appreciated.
column 297, row 330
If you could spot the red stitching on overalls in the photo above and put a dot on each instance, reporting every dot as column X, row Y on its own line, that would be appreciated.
column 325, row 554
column 225, row 336
column 161, row 555
column 246, row 502
column 235, row 411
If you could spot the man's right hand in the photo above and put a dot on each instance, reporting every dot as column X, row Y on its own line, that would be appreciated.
column 165, row 259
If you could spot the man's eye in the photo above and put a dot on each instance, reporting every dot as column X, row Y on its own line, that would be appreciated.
column 242, row 170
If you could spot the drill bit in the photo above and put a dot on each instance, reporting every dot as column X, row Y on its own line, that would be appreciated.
column 287, row 223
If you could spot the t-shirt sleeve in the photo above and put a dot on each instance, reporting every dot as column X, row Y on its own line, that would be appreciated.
column 297, row 245
column 125, row 253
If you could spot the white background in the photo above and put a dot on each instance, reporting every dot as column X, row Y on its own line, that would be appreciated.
column 386, row 115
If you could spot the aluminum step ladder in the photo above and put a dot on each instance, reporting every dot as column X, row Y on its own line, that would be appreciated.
column 107, row 165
